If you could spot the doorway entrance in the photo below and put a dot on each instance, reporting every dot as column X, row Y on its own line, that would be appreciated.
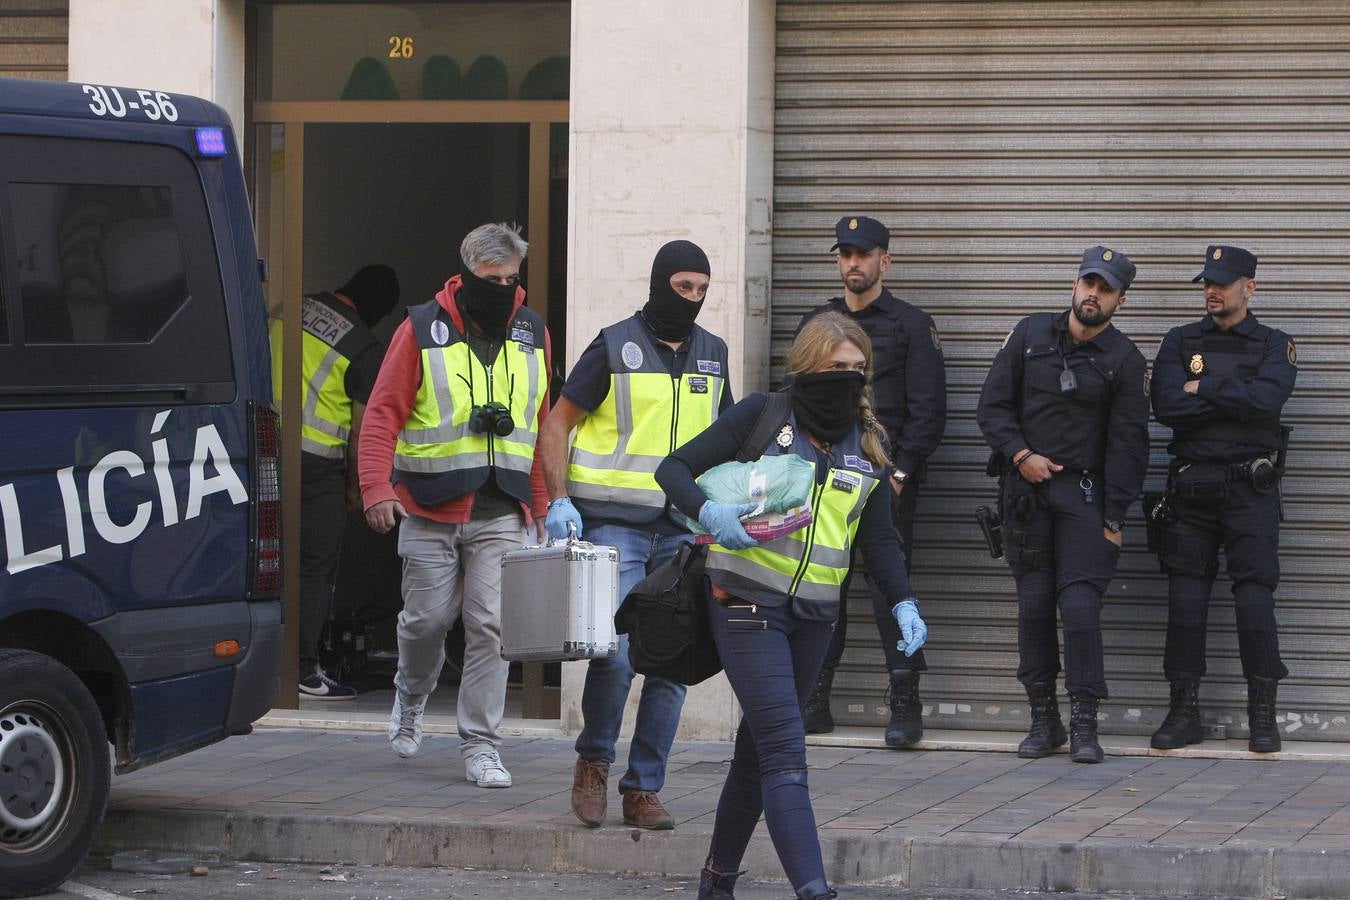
column 369, row 178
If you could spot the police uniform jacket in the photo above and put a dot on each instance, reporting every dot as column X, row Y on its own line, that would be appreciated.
column 1101, row 428
column 909, row 377
column 1245, row 376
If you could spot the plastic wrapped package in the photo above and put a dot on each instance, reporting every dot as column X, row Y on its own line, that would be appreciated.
column 780, row 486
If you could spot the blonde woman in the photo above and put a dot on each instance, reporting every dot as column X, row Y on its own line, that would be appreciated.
column 773, row 605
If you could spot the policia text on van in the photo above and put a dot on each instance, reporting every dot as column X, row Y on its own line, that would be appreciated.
column 139, row 600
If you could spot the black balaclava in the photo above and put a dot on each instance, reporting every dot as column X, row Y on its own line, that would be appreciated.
column 489, row 304
column 667, row 314
column 374, row 290
column 826, row 403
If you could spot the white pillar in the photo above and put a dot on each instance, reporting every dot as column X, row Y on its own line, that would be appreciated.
column 672, row 137
column 187, row 46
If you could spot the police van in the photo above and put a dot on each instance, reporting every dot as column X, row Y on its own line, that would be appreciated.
column 139, row 497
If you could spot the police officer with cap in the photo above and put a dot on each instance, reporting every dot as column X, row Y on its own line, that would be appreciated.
column 1065, row 409
column 910, row 388
column 1220, row 384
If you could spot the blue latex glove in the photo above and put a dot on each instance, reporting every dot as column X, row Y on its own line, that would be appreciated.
column 723, row 522
column 562, row 513
column 913, row 631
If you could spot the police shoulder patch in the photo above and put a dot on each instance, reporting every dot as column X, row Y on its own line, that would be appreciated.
column 1291, row 352
column 632, row 355
column 937, row 342
column 440, row 332
column 1008, row 338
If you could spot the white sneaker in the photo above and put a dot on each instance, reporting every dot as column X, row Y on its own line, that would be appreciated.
column 485, row 769
column 405, row 723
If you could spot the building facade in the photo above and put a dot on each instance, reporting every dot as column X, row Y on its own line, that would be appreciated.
column 996, row 139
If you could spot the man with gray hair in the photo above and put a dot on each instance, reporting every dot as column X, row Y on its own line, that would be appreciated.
column 448, row 448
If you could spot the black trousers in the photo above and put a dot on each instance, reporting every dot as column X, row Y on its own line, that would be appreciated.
column 1247, row 525
column 1061, row 559
column 902, row 519
column 323, row 516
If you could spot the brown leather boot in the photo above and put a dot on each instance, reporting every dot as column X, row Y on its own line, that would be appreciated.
column 643, row 809
column 589, row 783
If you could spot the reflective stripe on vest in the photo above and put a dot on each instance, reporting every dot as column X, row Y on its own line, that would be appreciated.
column 437, row 455
column 326, row 410
column 647, row 413
column 810, row 563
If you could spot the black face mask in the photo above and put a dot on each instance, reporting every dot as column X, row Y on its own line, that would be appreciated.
column 667, row 314
column 826, row 403
column 489, row 304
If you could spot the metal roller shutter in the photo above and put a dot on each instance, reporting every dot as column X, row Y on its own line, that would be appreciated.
column 997, row 140
column 33, row 38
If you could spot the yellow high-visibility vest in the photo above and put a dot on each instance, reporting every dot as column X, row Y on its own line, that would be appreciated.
column 439, row 455
column 648, row 412
column 807, row 567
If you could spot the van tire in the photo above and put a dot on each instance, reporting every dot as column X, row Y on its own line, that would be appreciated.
column 53, row 772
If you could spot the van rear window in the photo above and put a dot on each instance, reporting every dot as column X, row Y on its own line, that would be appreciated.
column 116, row 294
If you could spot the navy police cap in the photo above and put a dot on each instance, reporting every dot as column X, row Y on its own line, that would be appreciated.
column 1225, row 264
column 861, row 232
column 1111, row 265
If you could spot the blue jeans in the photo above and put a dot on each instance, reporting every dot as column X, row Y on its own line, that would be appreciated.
column 771, row 659
column 608, row 680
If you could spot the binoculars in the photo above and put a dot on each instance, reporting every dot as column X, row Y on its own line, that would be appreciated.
column 491, row 417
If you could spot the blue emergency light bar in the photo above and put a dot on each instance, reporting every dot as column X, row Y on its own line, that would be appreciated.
column 210, row 142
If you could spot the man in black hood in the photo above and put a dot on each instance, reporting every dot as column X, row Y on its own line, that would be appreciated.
column 644, row 386
column 340, row 359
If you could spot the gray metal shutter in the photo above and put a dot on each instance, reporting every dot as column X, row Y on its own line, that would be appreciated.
column 997, row 140
column 33, row 38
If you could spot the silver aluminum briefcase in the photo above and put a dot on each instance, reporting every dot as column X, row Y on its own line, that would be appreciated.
column 558, row 602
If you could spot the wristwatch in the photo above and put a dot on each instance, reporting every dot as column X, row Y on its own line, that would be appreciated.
column 900, row 477
column 1112, row 525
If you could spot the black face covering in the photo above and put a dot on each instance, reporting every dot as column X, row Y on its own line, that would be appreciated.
column 826, row 403
column 667, row 314
column 489, row 304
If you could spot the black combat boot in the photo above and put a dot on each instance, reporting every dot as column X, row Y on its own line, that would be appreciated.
column 1083, row 746
column 1262, row 736
column 1182, row 725
column 906, row 725
column 816, row 716
column 1047, row 728
column 716, row 886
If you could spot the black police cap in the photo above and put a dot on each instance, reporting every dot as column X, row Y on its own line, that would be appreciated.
column 861, row 232
column 1225, row 264
column 1112, row 265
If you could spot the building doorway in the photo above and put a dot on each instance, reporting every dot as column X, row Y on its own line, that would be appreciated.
column 347, row 172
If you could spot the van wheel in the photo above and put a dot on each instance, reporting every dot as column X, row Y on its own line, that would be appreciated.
column 53, row 772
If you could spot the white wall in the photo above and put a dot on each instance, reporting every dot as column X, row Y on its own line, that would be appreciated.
column 672, row 137
column 186, row 46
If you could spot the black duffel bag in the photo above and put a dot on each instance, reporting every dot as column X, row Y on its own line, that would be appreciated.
column 666, row 619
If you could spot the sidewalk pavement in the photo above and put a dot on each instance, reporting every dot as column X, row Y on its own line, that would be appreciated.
column 1153, row 824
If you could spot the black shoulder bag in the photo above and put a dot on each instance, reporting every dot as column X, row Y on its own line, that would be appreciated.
column 665, row 616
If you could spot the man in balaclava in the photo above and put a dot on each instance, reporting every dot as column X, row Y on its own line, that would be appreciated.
column 644, row 386
column 449, row 450
column 340, row 359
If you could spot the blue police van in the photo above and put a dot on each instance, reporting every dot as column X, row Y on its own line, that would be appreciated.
column 139, row 470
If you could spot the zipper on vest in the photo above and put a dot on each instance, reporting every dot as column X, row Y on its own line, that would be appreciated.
column 674, row 409
column 810, row 540
column 488, row 369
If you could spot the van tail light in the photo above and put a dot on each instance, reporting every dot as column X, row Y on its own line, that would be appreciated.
column 265, row 570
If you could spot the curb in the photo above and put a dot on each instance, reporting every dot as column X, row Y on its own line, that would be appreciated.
column 1237, row 870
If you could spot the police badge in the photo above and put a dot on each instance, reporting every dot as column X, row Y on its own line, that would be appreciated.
column 1197, row 364
column 785, row 436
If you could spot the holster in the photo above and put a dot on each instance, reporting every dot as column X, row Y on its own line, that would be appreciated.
column 991, row 524
column 1158, row 515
